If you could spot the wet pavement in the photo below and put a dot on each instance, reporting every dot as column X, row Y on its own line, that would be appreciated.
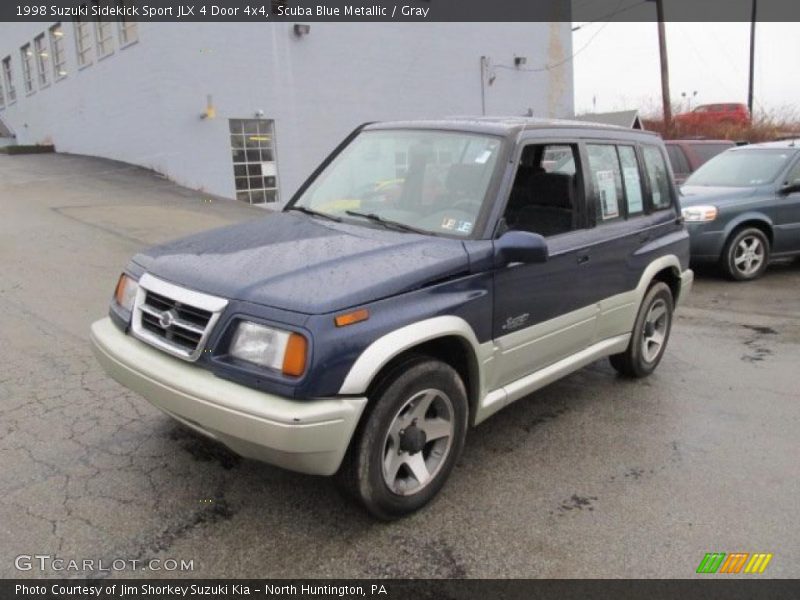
column 593, row 476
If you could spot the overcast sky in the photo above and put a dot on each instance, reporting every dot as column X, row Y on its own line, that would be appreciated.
column 619, row 65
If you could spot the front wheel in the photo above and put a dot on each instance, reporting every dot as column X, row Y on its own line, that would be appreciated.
column 746, row 254
column 409, row 440
column 650, row 334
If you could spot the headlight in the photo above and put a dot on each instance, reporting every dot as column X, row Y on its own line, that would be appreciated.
column 699, row 214
column 125, row 293
column 283, row 351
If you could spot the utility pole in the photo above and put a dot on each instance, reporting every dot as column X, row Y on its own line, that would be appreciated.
column 662, row 47
column 752, row 58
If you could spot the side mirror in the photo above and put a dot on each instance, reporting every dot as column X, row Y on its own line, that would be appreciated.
column 520, row 247
column 790, row 188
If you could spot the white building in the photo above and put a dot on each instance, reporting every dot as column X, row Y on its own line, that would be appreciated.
column 248, row 110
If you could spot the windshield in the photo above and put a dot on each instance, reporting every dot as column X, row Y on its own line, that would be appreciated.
column 741, row 168
column 432, row 181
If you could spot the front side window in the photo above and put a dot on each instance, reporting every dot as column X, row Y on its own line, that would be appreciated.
column 658, row 176
column 742, row 167
column 543, row 197
column 57, row 47
column 432, row 181
column 42, row 59
column 83, row 42
column 26, row 54
column 8, row 78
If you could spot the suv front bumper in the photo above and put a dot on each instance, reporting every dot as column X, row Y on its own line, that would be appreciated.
column 310, row 436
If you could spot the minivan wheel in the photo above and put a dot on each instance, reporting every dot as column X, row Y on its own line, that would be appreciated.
column 408, row 441
column 746, row 254
column 650, row 334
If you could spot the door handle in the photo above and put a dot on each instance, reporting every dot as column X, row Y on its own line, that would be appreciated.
column 583, row 259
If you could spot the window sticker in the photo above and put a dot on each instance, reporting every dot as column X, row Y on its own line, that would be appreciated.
column 607, row 188
column 633, row 188
column 464, row 226
column 448, row 223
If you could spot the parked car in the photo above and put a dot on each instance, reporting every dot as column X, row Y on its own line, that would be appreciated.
column 742, row 208
column 686, row 156
column 715, row 114
column 363, row 342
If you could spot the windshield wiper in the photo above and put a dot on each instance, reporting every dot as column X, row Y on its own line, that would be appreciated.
column 388, row 223
column 313, row 213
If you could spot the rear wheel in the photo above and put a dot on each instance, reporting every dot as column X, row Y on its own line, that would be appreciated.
column 746, row 254
column 650, row 334
column 409, row 441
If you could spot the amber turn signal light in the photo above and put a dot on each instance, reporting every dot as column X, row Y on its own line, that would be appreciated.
column 353, row 317
column 294, row 359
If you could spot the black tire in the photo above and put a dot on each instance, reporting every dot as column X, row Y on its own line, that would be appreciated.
column 734, row 257
column 362, row 474
column 635, row 361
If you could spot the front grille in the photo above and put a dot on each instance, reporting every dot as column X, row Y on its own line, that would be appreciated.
column 174, row 319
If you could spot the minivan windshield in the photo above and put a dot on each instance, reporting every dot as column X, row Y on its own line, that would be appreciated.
column 742, row 167
column 408, row 180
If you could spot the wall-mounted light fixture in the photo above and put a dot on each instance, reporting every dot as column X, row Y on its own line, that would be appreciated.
column 520, row 60
column 301, row 29
column 211, row 111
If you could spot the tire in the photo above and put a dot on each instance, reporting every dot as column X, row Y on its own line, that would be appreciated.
column 392, row 467
column 745, row 255
column 650, row 334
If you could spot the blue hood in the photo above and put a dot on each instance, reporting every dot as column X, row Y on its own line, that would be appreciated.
column 304, row 264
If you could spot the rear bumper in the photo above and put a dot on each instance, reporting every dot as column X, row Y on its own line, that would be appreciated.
column 309, row 436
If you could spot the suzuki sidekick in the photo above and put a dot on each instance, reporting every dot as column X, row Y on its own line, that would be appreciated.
column 426, row 275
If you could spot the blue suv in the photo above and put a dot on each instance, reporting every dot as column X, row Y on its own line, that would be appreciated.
column 426, row 275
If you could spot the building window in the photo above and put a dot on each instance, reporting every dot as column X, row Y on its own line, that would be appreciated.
column 8, row 77
column 254, row 168
column 42, row 59
column 27, row 67
column 127, row 29
column 104, row 38
column 57, row 47
column 83, row 42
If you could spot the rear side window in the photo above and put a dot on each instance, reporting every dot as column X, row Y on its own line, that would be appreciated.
column 633, row 183
column 606, row 176
column 658, row 177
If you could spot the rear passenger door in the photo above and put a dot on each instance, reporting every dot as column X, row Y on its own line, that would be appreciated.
column 633, row 204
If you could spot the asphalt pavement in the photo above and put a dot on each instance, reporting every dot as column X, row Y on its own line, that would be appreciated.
column 593, row 476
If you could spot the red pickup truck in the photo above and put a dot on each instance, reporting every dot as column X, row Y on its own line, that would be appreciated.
column 715, row 114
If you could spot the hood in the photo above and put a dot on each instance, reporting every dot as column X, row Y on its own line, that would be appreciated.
column 304, row 264
column 692, row 195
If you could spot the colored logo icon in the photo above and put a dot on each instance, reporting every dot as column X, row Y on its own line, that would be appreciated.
column 735, row 562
